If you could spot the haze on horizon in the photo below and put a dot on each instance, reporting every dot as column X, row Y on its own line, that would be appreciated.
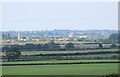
column 28, row 16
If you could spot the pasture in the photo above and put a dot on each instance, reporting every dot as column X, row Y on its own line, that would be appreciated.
column 72, row 51
column 53, row 67
column 72, row 69
column 57, row 61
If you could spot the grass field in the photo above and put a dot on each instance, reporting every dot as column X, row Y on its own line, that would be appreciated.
column 56, row 52
column 76, row 69
column 58, row 61
column 63, row 69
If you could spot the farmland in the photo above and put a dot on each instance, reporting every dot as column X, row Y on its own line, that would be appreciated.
column 47, row 65
column 75, row 69
column 51, row 52
column 109, row 54
column 59, row 38
column 58, row 61
column 56, row 52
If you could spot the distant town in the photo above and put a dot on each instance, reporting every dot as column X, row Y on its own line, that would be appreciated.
column 81, row 39
column 56, row 35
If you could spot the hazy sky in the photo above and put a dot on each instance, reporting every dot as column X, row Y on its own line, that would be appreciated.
column 61, row 15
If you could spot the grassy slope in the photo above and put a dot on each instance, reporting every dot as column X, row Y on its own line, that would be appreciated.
column 83, row 69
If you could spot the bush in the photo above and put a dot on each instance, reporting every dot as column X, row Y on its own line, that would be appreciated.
column 112, row 75
column 113, row 46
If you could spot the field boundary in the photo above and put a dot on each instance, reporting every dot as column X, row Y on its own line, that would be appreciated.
column 60, row 63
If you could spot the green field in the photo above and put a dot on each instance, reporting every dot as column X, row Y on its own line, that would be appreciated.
column 57, row 61
column 76, row 69
column 56, row 52
column 62, row 69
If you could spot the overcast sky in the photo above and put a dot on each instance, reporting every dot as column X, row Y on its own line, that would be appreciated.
column 61, row 15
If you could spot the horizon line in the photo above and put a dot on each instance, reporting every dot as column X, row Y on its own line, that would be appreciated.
column 61, row 29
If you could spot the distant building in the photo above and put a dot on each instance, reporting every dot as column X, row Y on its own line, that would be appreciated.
column 83, row 36
column 18, row 36
column 70, row 34
column 6, row 35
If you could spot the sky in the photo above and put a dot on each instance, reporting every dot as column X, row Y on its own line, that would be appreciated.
column 22, row 16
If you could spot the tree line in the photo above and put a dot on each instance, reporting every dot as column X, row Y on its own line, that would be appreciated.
column 48, row 46
column 113, row 38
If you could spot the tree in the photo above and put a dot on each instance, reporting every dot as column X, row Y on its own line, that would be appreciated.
column 113, row 46
column 38, row 46
column 29, row 46
column 114, row 38
column 69, row 46
column 19, row 47
column 13, row 54
column 45, row 47
column 6, row 47
column 100, row 45
column 54, row 46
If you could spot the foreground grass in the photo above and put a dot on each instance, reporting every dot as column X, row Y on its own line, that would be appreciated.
column 72, row 69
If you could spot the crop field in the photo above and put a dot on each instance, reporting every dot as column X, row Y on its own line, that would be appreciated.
column 56, row 52
column 57, row 61
column 63, row 67
column 75, row 69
